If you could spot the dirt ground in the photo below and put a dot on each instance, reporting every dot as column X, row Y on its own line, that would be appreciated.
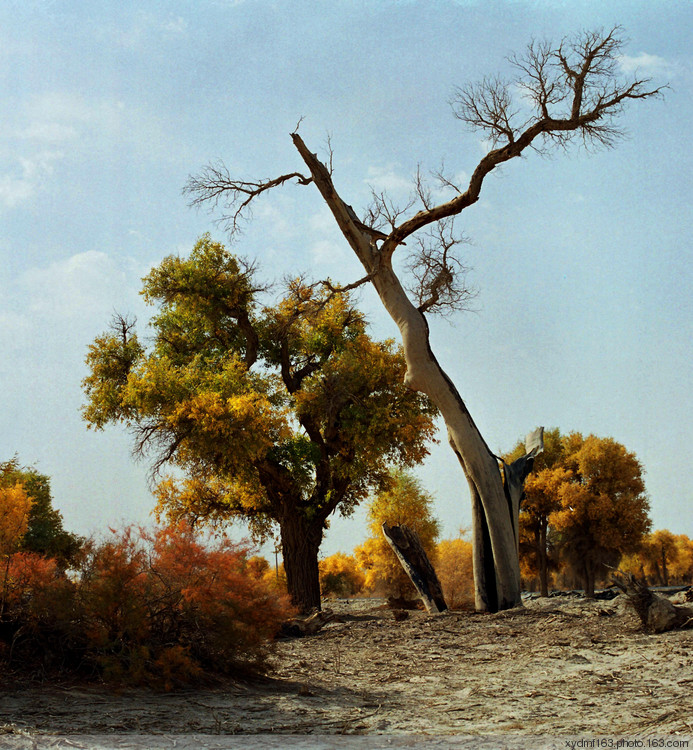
column 558, row 666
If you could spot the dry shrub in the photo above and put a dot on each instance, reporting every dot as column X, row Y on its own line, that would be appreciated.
column 158, row 608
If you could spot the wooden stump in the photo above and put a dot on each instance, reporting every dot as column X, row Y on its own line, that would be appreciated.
column 407, row 546
column 656, row 613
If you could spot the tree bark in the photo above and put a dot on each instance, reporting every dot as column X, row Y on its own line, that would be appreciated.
column 588, row 578
column 300, row 545
column 407, row 546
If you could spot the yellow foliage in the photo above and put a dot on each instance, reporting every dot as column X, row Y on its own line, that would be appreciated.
column 405, row 503
column 340, row 575
column 455, row 573
column 15, row 505
column 663, row 559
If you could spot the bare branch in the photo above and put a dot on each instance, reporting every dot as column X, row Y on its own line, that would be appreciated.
column 383, row 213
column 576, row 92
column 440, row 276
column 123, row 326
column 214, row 186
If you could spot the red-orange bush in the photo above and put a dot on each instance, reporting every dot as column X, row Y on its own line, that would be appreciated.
column 151, row 608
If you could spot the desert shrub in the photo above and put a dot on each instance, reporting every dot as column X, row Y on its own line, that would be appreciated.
column 340, row 575
column 158, row 608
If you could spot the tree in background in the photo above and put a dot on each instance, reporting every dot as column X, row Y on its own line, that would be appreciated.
column 404, row 503
column 662, row 559
column 584, row 506
column 454, row 568
column 44, row 534
column 539, row 501
column 278, row 415
column 604, row 509
column 559, row 95
column 15, row 507
column 341, row 576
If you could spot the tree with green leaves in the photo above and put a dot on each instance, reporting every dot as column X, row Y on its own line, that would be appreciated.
column 44, row 534
column 279, row 414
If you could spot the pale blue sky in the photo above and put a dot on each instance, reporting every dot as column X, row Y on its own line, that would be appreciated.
column 584, row 315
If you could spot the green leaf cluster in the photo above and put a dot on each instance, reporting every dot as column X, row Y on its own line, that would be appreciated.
column 270, row 406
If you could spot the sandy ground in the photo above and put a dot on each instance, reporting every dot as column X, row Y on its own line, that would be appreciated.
column 557, row 667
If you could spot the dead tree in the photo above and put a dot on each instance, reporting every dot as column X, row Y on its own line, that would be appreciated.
column 405, row 543
column 571, row 92
column 656, row 613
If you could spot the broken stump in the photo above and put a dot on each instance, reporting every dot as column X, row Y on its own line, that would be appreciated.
column 407, row 546
column 656, row 613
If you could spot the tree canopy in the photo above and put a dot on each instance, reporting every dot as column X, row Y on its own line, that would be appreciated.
column 42, row 531
column 585, row 504
column 277, row 413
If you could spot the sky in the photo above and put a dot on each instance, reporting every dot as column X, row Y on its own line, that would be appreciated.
column 582, row 261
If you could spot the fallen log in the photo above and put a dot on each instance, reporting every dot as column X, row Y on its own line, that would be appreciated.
column 298, row 627
column 406, row 545
column 656, row 613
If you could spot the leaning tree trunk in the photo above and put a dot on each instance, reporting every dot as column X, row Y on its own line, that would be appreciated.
column 300, row 544
column 496, row 561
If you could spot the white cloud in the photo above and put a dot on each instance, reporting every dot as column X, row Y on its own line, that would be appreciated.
column 644, row 63
column 78, row 287
column 146, row 25
column 66, row 115
column 389, row 180
column 30, row 174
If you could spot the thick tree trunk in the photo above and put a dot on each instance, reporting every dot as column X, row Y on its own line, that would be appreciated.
column 496, row 561
column 300, row 545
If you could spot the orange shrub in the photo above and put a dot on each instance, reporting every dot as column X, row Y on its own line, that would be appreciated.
column 156, row 608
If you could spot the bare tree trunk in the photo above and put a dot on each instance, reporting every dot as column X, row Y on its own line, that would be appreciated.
column 588, row 577
column 656, row 613
column 665, row 572
column 496, row 561
column 405, row 543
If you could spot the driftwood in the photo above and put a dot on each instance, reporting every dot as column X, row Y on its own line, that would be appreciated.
column 302, row 626
column 406, row 545
column 656, row 613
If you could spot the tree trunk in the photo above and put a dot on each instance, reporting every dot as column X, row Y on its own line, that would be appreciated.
column 656, row 613
column 300, row 545
column 407, row 546
column 588, row 579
